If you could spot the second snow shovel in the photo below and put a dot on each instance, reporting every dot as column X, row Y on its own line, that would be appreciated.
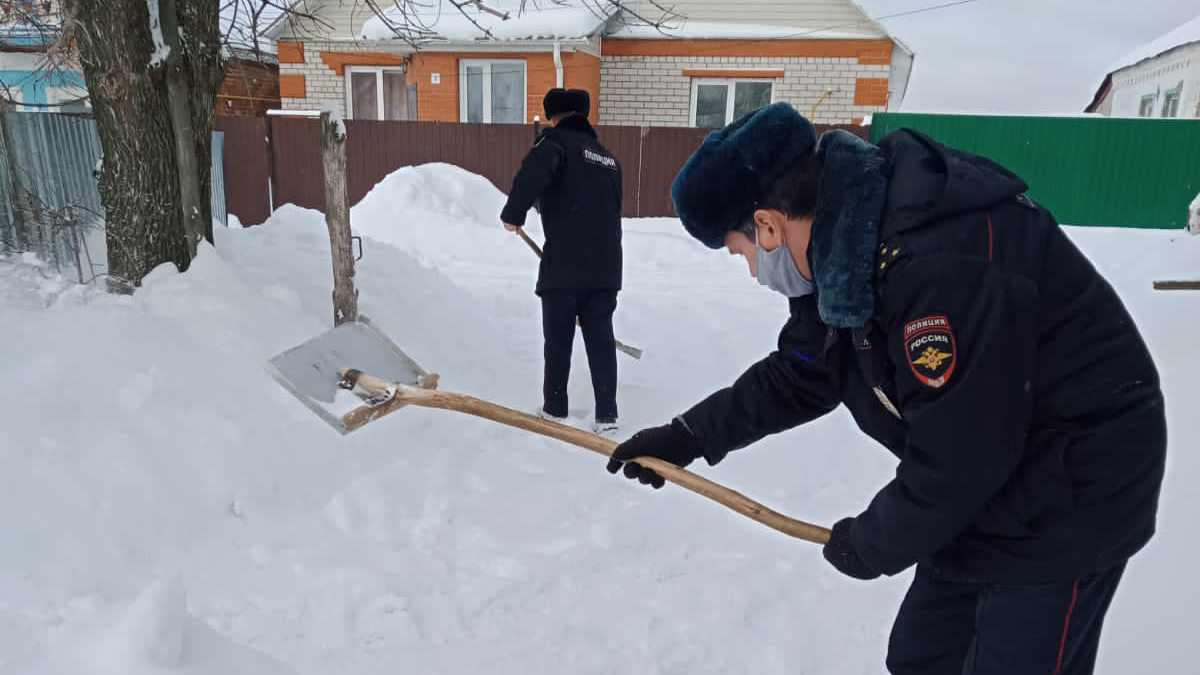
column 621, row 346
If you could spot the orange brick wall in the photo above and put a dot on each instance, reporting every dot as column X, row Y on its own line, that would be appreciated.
column 291, row 52
column 582, row 71
column 870, row 91
column 291, row 85
column 439, row 102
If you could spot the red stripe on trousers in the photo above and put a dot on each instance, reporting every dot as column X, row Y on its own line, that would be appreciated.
column 1062, row 645
column 989, row 237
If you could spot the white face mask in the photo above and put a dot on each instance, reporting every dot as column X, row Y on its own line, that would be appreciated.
column 778, row 272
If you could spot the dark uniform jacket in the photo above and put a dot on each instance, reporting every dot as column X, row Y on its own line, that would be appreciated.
column 577, row 186
column 999, row 367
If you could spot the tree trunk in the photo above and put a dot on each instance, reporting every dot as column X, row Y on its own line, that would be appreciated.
column 201, row 41
column 337, row 219
column 138, row 183
column 140, row 178
column 181, row 122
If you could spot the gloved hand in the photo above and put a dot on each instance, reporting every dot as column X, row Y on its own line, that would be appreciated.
column 671, row 442
column 841, row 554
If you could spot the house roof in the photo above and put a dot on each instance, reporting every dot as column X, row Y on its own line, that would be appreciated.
column 1098, row 98
column 1178, row 37
column 559, row 20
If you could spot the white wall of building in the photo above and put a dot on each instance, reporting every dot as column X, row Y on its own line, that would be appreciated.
column 1152, row 79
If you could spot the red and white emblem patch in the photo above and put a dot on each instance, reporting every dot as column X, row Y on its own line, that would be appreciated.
column 929, row 343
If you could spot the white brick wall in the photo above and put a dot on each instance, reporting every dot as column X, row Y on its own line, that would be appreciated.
column 322, row 84
column 652, row 91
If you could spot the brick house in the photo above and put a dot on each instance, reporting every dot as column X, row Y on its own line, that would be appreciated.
column 826, row 57
column 251, row 85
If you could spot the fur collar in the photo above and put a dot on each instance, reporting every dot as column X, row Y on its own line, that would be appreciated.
column 845, row 237
column 576, row 123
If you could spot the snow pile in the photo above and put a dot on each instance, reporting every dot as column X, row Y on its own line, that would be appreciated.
column 156, row 636
column 569, row 19
column 448, row 217
column 141, row 439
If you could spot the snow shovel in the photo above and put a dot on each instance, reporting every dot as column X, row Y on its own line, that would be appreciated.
column 319, row 373
column 621, row 346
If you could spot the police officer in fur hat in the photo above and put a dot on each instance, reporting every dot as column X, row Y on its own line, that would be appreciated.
column 966, row 334
column 576, row 183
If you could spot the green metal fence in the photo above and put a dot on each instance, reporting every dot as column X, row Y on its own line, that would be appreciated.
column 1086, row 170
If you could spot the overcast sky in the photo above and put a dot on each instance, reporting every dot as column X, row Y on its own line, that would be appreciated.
column 1021, row 56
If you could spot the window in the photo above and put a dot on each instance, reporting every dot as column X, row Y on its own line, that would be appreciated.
column 1171, row 102
column 717, row 102
column 1147, row 108
column 379, row 94
column 491, row 91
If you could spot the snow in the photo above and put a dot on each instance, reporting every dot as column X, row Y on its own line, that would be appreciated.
column 1184, row 34
column 156, row 635
column 336, row 119
column 167, row 507
column 1193, row 225
column 731, row 30
column 161, row 49
column 567, row 20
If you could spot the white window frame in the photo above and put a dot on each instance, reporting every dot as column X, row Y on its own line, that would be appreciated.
column 730, row 84
column 463, row 64
column 1169, row 96
column 379, row 98
column 1143, row 109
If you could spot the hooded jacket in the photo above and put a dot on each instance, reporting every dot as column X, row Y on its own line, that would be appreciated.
column 982, row 348
column 576, row 183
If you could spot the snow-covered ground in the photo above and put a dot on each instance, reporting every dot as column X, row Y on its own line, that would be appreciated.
column 166, row 507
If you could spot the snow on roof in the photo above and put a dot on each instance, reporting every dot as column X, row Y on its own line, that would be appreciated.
column 718, row 30
column 548, row 20
column 1185, row 34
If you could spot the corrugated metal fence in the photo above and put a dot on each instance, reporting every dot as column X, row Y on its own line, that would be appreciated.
column 281, row 157
column 1087, row 171
column 49, row 201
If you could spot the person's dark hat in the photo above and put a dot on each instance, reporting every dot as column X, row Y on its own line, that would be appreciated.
column 559, row 101
column 722, row 181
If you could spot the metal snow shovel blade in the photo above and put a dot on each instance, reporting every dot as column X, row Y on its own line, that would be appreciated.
column 353, row 375
column 310, row 370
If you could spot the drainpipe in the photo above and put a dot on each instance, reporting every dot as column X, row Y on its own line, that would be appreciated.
column 558, row 68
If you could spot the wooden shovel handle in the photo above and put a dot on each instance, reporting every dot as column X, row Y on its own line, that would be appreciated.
column 473, row 406
column 532, row 244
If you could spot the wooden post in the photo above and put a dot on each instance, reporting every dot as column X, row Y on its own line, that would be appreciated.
column 337, row 218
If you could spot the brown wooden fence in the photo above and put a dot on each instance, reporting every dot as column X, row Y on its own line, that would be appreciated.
column 271, row 161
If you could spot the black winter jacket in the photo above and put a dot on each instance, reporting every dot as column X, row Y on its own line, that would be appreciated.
column 577, row 186
column 999, row 367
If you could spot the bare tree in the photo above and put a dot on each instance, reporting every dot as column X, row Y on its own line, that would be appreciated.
column 153, row 70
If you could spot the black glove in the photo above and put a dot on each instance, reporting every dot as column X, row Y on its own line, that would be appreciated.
column 672, row 443
column 841, row 554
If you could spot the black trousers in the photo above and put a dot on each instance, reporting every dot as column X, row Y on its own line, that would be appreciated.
column 954, row 628
column 594, row 310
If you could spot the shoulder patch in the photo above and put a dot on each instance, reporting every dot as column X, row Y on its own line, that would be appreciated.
column 929, row 343
column 599, row 158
